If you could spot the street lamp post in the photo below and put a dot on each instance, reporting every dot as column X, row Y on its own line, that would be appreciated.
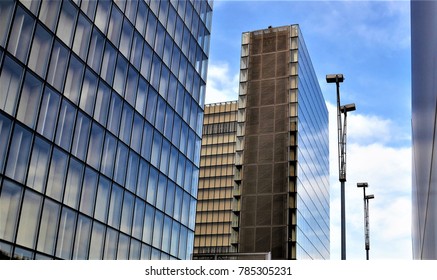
column 366, row 217
column 341, row 133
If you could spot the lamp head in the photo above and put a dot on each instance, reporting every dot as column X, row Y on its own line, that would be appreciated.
column 348, row 108
column 334, row 78
column 362, row 185
column 370, row 196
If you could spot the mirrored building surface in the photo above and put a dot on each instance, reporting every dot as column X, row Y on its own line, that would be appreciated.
column 101, row 107
column 424, row 112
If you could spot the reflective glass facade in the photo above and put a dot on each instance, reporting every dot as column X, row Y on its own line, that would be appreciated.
column 282, row 158
column 216, row 181
column 424, row 112
column 101, row 107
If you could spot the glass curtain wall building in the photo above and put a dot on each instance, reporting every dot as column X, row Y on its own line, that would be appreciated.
column 216, row 181
column 101, row 107
column 282, row 156
column 424, row 112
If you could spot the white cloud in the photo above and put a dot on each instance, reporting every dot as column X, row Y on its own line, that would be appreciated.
column 221, row 85
column 371, row 158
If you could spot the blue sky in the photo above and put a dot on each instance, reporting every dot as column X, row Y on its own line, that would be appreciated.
column 369, row 42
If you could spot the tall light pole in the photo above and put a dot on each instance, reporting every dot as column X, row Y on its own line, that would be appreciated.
column 341, row 133
column 366, row 217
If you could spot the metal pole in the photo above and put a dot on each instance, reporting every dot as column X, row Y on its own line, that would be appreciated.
column 365, row 222
column 341, row 176
column 367, row 240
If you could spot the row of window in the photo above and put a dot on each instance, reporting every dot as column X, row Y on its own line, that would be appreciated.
column 58, row 120
column 224, row 127
column 50, row 170
column 53, row 229
column 68, row 75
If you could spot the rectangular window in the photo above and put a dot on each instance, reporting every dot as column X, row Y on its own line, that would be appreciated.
column 95, row 146
column 142, row 15
column 152, row 99
column 95, row 52
column 29, row 219
column 48, row 113
column 131, row 86
column 137, row 132
column 10, row 201
column 102, row 104
column 151, row 29
column 64, row 132
column 67, row 21
column 102, row 15
column 146, row 61
column 148, row 224
column 160, row 114
column 126, row 123
column 108, row 63
column 140, row 104
column 82, row 37
column 166, row 234
column 48, row 227
column 66, row 230
column 121, row 163
column 111, row 239
column 123, row 247
column 97, row 241
column 108, row 156
column 115, row 24
column 137, row 227
column 137, row 49
column 168, row 125
column 132, row 172
column 174, row 243
column 49, row 13
column 143, row 178
column 39, row 165
column 74, row 80
column 114, row 214
column 57, row 174
column 19, row 152
column 21, row 34
column 88, row 194
column 126, row 38
column 127, row 213
column 6, row 11
column 156, row 149
column 159, row 40
column 89, row 90
column 29, row 101
column 157, row 229
column 169, row 199
column 102, row 201
column 81, row 134
column 58, row 66
column 155, row 74
column 5, row 130
column 89, row 8
column 160, row 192
column 120, row 75
column 115, row 110
column 152, row 186
column 73, row 185
column 82, row 239
column 10, row 81
column 40, row 51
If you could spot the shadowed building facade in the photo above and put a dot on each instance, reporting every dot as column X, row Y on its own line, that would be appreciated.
column 424, row 124
column 101, row 106
column 281, row 175
column 216, row 181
